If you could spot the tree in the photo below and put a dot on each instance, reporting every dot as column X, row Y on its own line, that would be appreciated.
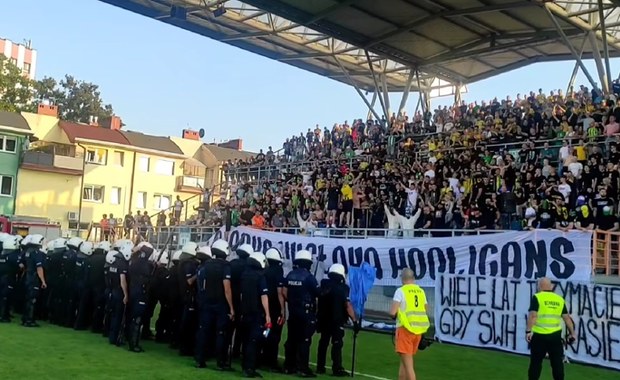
column 77, row 100
column 16, row 89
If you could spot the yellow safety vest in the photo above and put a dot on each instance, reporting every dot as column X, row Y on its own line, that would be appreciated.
column 414, row 317
column 549, row 316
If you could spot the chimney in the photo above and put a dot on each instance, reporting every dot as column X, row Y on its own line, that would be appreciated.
column 236, row 144
column 188, row 134
column 48, row 110
column 113, row 122
column 93, row 121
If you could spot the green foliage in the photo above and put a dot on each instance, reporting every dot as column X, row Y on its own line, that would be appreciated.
column 77, row 100
column 16, row 89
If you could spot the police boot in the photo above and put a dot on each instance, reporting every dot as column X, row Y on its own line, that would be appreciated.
column 134, row 338
column 4, row 310
column 252, row 374
column 340, row 373
column 307, row 373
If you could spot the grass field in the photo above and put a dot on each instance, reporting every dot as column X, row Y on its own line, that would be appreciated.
column 52, row 352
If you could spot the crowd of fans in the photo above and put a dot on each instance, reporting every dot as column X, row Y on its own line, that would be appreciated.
column 536, row 161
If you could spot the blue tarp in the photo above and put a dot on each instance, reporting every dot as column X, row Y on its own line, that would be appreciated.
column 361, row 280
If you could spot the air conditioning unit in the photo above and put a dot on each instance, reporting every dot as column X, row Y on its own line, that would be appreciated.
column 72, row 216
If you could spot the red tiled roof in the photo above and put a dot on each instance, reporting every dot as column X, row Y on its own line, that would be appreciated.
column 84, row 131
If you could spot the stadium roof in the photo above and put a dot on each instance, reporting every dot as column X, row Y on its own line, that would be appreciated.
column 455, row 41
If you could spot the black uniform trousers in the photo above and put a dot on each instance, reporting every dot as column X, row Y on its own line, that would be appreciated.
column 117, row 312
column 187, row 328
column 7, row 285
column 163, row 325
column 252, row 330
column 107, row 311
column 32, row 294
column 84, row 307
column 298, row 342
column 213, row 317
column 335, row 334
column 271, row 347
column 540, row 346
column 137, row 308
column 98, row 315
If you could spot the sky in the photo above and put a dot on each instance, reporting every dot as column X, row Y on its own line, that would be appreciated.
column 161, row 79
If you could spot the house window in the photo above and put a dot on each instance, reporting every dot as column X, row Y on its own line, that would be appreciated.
column 162, row 202
column 13, row 61
column 8, row 144
column 115, row 196
column 27, row 68
column 145, row 162
column 164, row 167
column 119, row 158
column 93, row 193
column 96, row 156
column 6, row 186
column 141, row 200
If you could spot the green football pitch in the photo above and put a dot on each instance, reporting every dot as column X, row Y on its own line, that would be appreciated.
column 51, row 352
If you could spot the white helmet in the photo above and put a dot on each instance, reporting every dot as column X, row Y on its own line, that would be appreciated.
column 303, row 255
column 74, row 242
column 49, row 247
column 163, row 259
column 273, row 254
column 205, row 250
column 338, row 269
column 87, row 248
column 244, row 250
column 176, row 256
column 122, row 242
column 109, row 257
column 105, row 246
column 220, row 247
column 259, row 258
column 154, row 256
column 3, row 235
column 189, row 248
column 34, row 239
column 59, row 243
column 25, row 241
column 126, row 251
column 11, row 242
column 144, row 244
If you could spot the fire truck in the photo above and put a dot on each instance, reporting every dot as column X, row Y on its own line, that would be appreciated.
column 27, row 225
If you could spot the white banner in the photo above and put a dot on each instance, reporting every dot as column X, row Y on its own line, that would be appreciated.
column 512, row 255
column 492, row 313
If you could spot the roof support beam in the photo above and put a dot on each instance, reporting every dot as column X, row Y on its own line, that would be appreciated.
column 359, row 92
column 573, row 76
column 601, row 16
column 403, row 100
column 377, row 88
column 571, row 47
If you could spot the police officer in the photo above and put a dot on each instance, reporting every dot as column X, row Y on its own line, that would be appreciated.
column 119, row 291
column 215, row 305
column 254, row 311
column 10, row 265
column 152, row 300
column 544, row 330
column 68, row 268
column 110, row 257
column 237, row 267
column 160, row 287
column 55, row 250
column 177, row 304
column 274, row 275
column 188, row 267
column 34, row 260
column 333, row 312
column 140, row 271
column 97, row 285
column 300, row 291
column 84, row 297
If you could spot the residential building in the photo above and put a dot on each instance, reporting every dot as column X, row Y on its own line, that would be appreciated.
column 14, row 136
column 21, row 55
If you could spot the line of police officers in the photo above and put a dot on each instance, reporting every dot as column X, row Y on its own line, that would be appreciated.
column 210, row 305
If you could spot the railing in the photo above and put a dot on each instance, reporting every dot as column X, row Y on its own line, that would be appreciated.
column 51, row 160
column 191, row 183
column 605, row 253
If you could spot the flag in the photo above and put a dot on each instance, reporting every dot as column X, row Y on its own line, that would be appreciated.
column 361, row 280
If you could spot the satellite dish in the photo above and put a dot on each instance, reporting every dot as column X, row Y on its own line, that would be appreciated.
column 201, row 133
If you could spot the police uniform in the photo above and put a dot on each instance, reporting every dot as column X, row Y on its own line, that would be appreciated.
column 274, row 275
column 119, row 268
column 162, row 282
column 96, row 285
column 82, row 297
column 176, row 305
column 34, row 259
column 213, row 310
column 108, row 278
column 331, row 318
column 253, row 287
column 547, row 334
column 140, row 271
column 302, row 290
column 54, row 283
column 10, row 261
column 237, row 267
column 66, row 300
column 187, row 324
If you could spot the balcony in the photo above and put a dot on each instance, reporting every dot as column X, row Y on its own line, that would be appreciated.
column 53, row 158
column 190, row 184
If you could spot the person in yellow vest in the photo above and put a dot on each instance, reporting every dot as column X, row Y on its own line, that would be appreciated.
column 544, row 330
column 409, row 308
